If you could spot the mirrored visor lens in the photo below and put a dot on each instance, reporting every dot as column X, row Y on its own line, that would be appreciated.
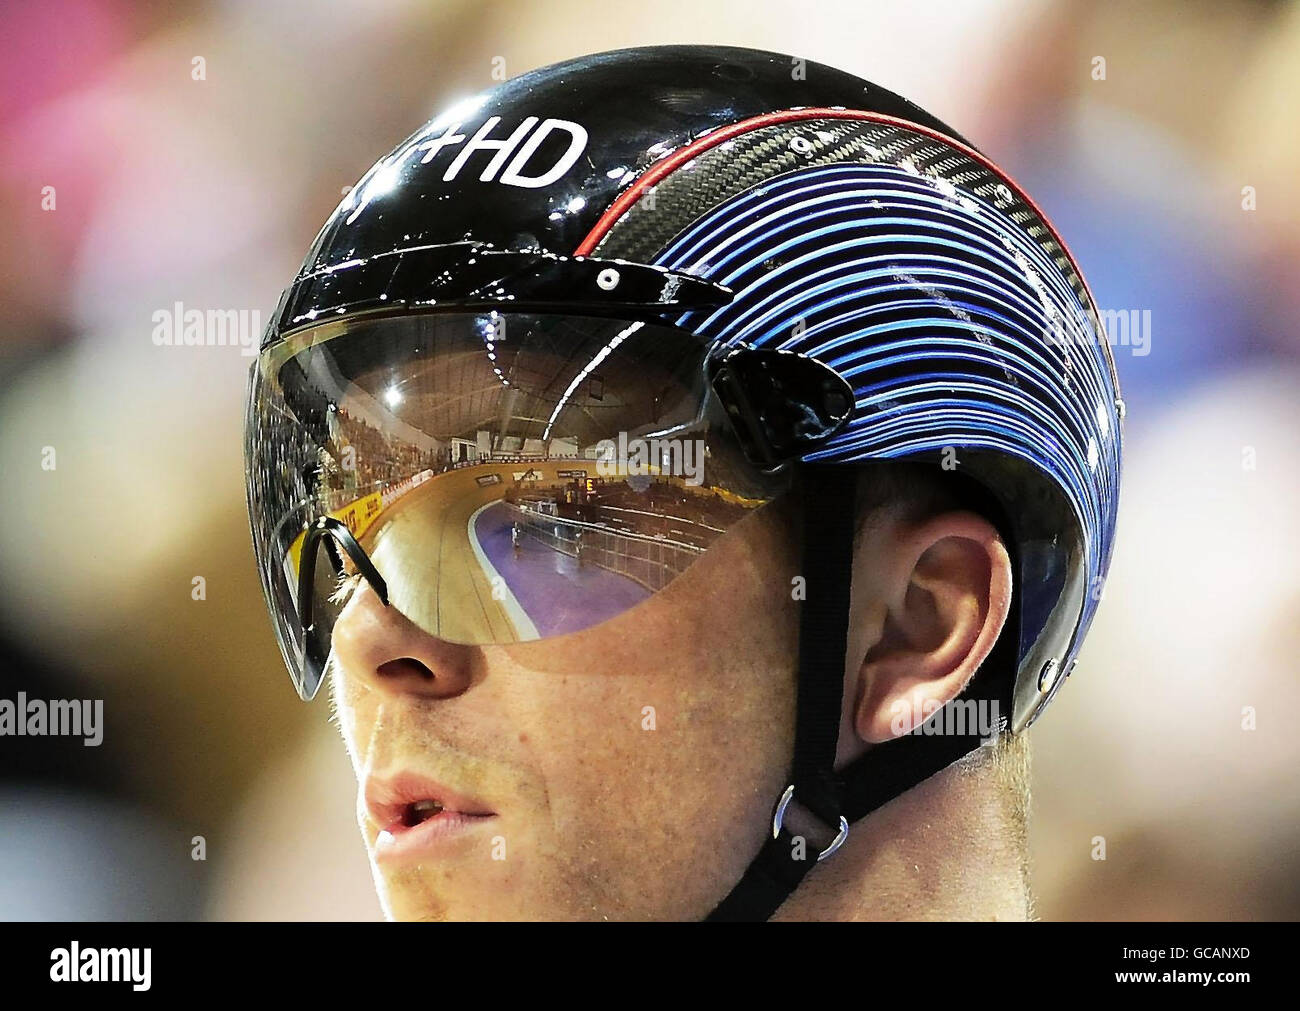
column 510, row 476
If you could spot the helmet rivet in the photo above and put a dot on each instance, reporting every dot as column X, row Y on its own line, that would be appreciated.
column 1047, row 676
column 800, row 145
column 607, row 279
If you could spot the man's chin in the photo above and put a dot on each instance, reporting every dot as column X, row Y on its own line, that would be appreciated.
column 441, row 894
column 405, row 900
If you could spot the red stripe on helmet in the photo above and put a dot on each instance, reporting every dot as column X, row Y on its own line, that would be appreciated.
column 683, row 155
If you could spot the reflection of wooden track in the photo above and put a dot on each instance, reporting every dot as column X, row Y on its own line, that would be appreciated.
column 421, row 546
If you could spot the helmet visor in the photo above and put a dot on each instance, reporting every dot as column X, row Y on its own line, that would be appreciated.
column 496, row 477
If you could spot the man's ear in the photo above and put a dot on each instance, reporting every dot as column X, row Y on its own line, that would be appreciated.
column 941, row 592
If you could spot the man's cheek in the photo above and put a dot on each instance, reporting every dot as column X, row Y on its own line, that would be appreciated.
column 349, row 709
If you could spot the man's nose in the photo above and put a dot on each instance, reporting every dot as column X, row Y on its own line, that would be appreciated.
column 382, row 648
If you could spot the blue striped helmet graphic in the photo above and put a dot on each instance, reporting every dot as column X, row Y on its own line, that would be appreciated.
column 924, row 277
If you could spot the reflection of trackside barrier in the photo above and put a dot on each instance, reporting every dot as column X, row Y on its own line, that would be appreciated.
column 732, row 498
column 360, row 515
column 696, row 532
column 651, row 561
column 392, row 493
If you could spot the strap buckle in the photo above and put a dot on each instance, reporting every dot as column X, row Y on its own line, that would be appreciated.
column 778, row 822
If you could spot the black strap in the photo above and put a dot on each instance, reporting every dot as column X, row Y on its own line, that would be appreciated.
column 885, row 771
column 828, row 528
column 871, row 781
column 828, row 518
column 890, row 770
column 770, row 879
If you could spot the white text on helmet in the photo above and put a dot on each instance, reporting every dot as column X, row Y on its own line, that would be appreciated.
column 518, row 146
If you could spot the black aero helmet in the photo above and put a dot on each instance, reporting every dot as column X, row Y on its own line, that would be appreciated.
column 575, row 328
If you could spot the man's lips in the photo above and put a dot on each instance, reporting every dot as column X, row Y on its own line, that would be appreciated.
column 417, row 816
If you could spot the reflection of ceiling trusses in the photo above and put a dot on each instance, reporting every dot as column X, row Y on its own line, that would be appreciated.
column 457, row 393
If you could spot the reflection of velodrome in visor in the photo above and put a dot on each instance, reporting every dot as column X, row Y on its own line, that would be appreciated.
column 404, row 428
column 506, row 551
column 551, row 587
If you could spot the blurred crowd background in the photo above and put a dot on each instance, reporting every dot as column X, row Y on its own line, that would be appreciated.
column 1161, row 138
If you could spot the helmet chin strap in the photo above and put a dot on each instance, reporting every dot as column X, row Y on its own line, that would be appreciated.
column 836, row 799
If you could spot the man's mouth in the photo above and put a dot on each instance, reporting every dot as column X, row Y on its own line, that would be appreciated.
column 418, row 817
column 420, row 811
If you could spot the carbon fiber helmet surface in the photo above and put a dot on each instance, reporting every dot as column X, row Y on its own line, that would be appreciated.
column 849, row 225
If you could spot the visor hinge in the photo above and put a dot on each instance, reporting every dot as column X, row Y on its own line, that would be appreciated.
column 782, row 404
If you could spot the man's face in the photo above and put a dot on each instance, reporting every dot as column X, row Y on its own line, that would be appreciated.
column 622, row 772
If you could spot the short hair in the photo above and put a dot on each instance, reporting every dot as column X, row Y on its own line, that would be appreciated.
column 1012, row 772
column 916, row 491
